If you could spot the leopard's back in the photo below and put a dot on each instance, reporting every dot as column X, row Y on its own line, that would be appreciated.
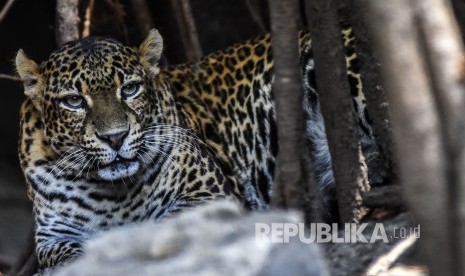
column 228, row 97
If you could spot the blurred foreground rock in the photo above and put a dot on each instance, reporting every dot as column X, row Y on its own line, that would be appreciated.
column 214, row 239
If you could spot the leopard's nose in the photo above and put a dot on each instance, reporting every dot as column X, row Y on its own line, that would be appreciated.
column 115, row 140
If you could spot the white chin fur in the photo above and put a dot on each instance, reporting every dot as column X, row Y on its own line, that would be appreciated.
column 118, row 171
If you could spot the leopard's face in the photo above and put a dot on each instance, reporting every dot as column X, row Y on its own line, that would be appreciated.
column 100, row 106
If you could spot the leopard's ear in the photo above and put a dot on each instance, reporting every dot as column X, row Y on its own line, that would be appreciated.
column 150, row 52
column 28, row 71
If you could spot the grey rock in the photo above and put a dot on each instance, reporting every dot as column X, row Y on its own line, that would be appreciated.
column 213, row 239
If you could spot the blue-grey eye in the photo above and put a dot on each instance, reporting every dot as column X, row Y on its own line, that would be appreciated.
column 74, row 101
column 130, row 89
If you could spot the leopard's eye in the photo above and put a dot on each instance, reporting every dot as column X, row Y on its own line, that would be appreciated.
column 74, row 102
column 130, row 89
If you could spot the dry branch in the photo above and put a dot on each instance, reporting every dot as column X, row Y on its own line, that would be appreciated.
column 384, row 197
column 417, row 131
column 385, row 262
column 88, row 18
column 6, row 9
column 67, row 21
column 336, row 105
column 105, row 18
column 294, row 176
column 186, row 23
column 10, row 77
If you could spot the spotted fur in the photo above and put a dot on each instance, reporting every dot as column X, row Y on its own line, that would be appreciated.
column 228, row 97
column 96, row 155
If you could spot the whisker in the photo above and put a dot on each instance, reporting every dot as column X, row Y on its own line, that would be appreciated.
column 159, row 151
column 76, row 155
column 91, row 165
column 83, row 167
column 184, row 145
column 186, row 133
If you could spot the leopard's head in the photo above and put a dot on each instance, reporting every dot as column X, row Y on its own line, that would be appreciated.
column 100, row 103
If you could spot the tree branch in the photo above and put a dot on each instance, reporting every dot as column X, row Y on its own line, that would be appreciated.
column 384, row 197
column 67, row 21
column 294, row 174
column 443, row 52
column 6, row 9
column 88, row 18
column 377, row 103
column 337, row 108
column 417, row 129
column 10, row 77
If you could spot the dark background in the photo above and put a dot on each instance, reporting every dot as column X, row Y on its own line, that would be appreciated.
column 30, row 25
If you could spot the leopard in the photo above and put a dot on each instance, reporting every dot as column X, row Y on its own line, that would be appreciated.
column 110, row 137
column 102, row 144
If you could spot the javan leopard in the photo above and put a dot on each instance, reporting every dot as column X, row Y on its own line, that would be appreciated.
column 108, row 137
